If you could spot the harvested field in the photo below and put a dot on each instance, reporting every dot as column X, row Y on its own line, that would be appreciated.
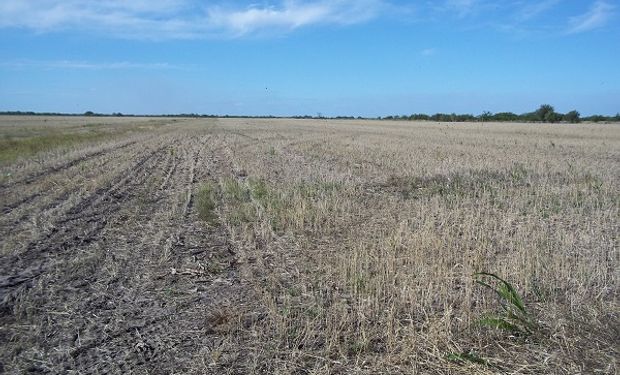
column 153, row 245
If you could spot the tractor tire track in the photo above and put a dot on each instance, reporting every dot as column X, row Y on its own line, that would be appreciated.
column 31, row 198
column 80, row 225
column 59, row 205
column 63, row 166
column 128, row 279
column 16, row 216
column 157, row 337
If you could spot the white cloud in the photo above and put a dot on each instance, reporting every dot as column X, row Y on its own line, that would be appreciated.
column 597, row 16
column 174, row 19
column 292, row 15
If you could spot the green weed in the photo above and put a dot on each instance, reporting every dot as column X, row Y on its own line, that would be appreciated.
column 235, row 191
column 514, row 317
column 206, row 203
column 258, row 189
column 239, row 198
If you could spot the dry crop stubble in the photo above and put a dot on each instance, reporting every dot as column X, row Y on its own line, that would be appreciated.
column 377, row 274
column 122, row 276
column 286, row 246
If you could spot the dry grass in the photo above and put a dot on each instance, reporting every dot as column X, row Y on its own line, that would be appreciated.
column 331, row 246
column 362, row 239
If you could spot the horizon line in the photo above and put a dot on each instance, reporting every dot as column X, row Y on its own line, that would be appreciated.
column 464, row 117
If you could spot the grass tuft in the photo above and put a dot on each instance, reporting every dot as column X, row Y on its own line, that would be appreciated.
column 206, row 203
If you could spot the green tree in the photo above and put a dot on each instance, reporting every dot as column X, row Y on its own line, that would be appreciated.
column 485, row 116
column 553, row 117
column 529, row 117
column 573, row 117
column 546, row 113
column 505, row 116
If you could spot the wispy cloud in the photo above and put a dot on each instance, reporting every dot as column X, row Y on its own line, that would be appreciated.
column 597, row 16
column 86, row 65
column 136, row 19
column 292, row 14
column 178, row 19
column 462, row 8
column 529, row 10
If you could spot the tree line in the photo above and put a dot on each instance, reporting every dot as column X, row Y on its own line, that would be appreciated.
column 545, row 113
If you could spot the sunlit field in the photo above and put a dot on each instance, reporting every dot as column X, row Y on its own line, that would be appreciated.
column 281, row 246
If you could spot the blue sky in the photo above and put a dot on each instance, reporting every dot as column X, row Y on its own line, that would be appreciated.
column 295, row 57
